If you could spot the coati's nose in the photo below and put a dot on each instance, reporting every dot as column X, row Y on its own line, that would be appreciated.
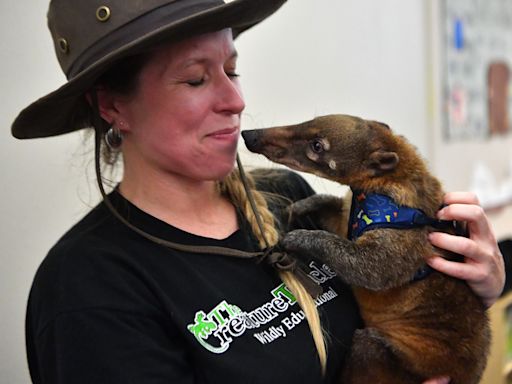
column 253, row 140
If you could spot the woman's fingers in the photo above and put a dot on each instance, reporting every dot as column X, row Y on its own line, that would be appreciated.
column 470, row 248
column 473, row 215
column 461, row 198
column 483, row 266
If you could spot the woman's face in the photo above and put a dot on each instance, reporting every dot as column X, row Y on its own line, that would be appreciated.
column 184, row 116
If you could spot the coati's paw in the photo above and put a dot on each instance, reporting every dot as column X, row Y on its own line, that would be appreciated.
column 303, row 242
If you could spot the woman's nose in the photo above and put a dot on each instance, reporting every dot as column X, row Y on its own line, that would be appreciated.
column 230, row 96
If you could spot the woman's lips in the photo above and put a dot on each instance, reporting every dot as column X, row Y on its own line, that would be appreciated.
column 224, row 133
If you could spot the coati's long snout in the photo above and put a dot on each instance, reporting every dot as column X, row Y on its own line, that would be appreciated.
column 275, row 144
column 337, row 147
column 271, row 142
column 253, row 139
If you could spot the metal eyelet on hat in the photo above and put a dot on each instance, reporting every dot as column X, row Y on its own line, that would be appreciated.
column 103, row 13
column 63, row 45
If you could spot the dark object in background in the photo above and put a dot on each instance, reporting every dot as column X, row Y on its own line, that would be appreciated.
column 506, row 251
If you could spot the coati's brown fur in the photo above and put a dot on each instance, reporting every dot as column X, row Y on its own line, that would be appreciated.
column 414, row 330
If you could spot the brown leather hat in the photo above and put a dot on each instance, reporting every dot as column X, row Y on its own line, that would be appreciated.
column 89, row 36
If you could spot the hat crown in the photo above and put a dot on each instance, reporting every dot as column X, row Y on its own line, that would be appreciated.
column 90, row 36
column 78, row 25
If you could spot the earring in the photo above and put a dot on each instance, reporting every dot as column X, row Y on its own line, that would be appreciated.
column 114, row 138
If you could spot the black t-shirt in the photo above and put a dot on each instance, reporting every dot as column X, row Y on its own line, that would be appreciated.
column 109, row 306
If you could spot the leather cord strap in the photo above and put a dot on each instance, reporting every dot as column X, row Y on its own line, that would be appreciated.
column 279, row 260
column 283, row 262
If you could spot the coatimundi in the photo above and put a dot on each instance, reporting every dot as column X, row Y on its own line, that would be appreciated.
column 419, row 323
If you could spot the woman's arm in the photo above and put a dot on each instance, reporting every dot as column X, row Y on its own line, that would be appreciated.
column 483, row 268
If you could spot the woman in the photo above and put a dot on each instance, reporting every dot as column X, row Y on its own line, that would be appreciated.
column 145, row 288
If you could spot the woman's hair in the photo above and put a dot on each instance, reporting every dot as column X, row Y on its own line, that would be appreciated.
column 233, row 187
column 123, row 79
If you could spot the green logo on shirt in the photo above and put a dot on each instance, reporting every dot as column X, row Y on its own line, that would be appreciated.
column 215, row 331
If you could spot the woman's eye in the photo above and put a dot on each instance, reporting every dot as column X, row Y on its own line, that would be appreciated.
column 195, row 83
column 232, row 75
column 316, row 146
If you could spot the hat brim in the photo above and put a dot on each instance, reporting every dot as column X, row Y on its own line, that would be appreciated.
column 66, row 109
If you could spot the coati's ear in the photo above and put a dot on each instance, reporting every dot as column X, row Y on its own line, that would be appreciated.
column 382, row 161
column 373, row 124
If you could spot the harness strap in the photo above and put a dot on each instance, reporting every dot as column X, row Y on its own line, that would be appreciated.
column 373, row 211
column 283, row 262
column 443, row 225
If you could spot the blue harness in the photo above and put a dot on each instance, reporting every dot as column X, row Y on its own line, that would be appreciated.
column 374, row 210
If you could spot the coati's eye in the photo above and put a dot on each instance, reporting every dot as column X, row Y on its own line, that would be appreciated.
column 316, row 145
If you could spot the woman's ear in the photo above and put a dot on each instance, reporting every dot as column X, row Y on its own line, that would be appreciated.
column 107, row 105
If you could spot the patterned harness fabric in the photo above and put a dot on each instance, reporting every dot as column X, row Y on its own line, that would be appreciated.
column 374, row 210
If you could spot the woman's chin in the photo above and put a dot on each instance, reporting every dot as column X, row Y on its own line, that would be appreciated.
column 221, row 170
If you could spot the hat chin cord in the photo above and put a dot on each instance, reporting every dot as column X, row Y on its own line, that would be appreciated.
column 279, row 260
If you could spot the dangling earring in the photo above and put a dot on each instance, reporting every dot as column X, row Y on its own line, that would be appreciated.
column 114, row 138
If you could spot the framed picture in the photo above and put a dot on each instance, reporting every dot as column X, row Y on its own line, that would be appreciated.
column 476, row 68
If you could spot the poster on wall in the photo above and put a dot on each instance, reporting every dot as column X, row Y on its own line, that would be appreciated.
column 477, row 68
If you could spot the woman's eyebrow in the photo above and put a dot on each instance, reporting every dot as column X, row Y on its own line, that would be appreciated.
column 202, row 60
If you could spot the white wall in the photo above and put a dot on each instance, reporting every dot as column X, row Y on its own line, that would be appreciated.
column 40, row 196
column 329, row 56
column 366, row 58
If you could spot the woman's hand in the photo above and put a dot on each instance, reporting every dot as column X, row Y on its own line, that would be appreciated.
column 483, row 268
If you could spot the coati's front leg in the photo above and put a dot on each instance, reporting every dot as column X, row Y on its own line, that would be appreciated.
column 380, row 259
column 328, row 212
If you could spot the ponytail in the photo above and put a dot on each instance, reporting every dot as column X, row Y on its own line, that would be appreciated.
column 232, row 187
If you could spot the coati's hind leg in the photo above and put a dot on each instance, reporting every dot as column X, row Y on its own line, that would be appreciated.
column 372, row 360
